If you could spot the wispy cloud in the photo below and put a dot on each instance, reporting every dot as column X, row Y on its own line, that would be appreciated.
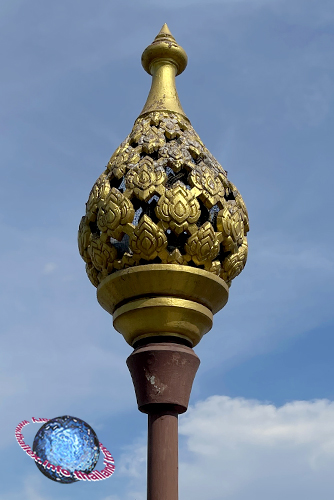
column 233, row 447
column 248, row 448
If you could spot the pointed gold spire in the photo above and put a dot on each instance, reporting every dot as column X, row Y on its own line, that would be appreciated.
column 165, row 31
column 164, row 59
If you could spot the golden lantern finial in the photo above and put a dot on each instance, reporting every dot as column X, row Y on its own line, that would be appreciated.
column 163, row 237
column 165, row 230
column 164, row 59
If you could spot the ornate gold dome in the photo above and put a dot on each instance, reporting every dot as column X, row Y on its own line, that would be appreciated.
column 163, row 197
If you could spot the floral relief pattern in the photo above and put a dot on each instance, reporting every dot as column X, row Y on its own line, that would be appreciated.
column 230, row 223
column 145, row 178
column 178, row 209
column 147, row 240
column 164, row 198
column 114, row 213
column 175, row 155
column 209, row 186
column 203, row 246
column 234, row 263
column 84, row 237
column 102, row 254
column 97, row 196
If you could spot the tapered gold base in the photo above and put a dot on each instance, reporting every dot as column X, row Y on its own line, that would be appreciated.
column 162, row 299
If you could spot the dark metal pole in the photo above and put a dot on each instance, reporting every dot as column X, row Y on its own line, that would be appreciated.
column 162, row 456
column 162, row 375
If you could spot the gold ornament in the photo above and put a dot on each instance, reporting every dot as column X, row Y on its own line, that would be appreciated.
column 178, row 209
column 234, row 263
column 84, row 239
column 204, row 245
column 145, row 178
column 208, row 185
column 163, row 197
column 114, row 213
column 102, row 255
column 147, row 240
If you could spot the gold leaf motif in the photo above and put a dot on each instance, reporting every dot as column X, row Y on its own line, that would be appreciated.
column 123, row 161
column 109, row 217
column 84, row 239
column 156, row 117
column 178, row 208
column 177, row 156
column 229, row 222
column 140, row 129
column 119, row 151
column 183, row 124
column 102, row 254
column 241, row 205
column 98, row 193
column 234, row 263
column 115, row 213
column 174, row 258
column 147, row 239
column 144, row 178
column 193, row 142
column 203, row 246
column 118, row 167
column 92, row 274
column 128, row 260
column 171, row 127
column 152, row 140
column 209, row 185
column 215, row 267
column 169, row 142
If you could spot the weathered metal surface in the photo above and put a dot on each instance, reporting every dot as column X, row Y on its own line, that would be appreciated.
column 163, row 374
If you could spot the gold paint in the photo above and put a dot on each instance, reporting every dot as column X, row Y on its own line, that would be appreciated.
column 164, row 232
column 203, row 246
column 144, row 179
column 158, row 299
column 102, row 255
column 163, row 316
column 178, row 209
column 164, row 280
column 147, row 240
column 181, row 182
column 164, row 59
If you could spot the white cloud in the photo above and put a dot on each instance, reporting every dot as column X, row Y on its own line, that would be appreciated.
column 236, row 448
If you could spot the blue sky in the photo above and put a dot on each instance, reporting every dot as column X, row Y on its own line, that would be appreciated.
column 258, row 90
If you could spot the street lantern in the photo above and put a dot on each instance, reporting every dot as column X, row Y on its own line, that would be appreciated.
column 163, row 237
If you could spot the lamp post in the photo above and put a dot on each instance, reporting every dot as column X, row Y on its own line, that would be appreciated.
column 163, row 236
